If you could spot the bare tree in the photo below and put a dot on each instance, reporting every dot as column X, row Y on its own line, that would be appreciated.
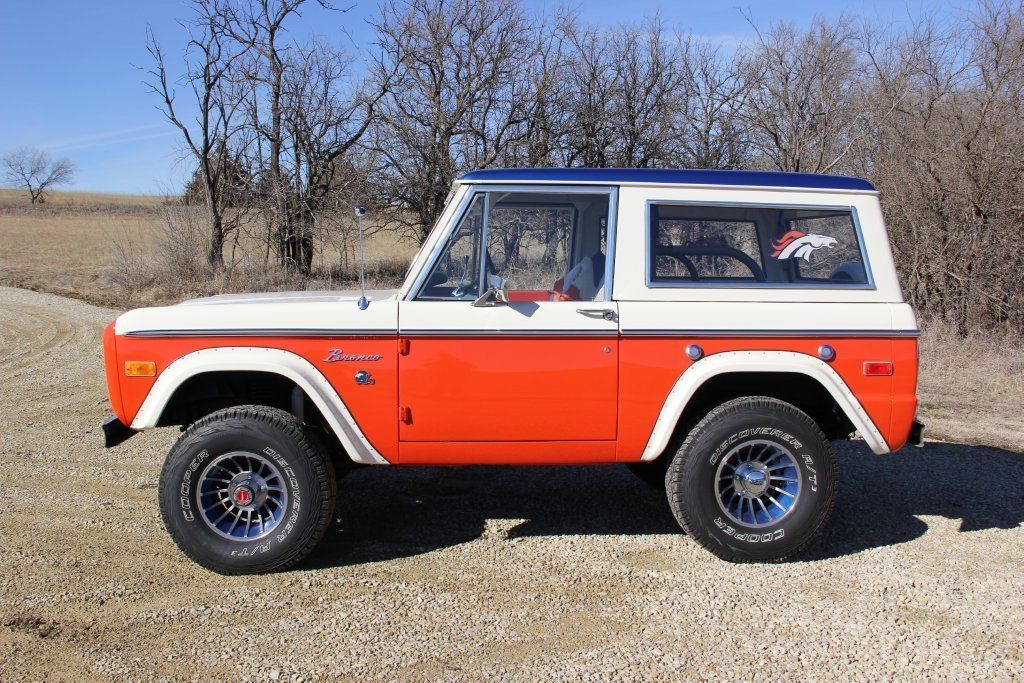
column 539, row 140
column 933, row 115
column 259, row 28
column 36, row 171
column 805, row 108
column 625, row 91
column 709, row 129
column 324, row 119
column 457, row 102
column 950, row 163
column 647, row 85
column 209, row 77
column 590, row 131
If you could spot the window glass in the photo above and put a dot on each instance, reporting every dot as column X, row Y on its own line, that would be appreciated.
column 456, row 275
column 541, row 246
column 548, row 246
column 770, row 245
column 837, row 260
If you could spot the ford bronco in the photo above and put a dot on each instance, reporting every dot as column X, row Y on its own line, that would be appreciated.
column 714, row 330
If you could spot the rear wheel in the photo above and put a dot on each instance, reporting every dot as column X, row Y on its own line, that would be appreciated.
column 247, row 490
column 755, row 480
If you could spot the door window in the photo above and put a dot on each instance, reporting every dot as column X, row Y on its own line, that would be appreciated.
column 540, row 246
column 456, row 274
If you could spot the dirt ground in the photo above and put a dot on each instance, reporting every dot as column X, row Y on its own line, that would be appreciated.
column 481, row 573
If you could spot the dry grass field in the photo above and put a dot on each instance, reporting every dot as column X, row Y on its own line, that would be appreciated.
column 64, row 245
column 102, row 248
column 110, row 250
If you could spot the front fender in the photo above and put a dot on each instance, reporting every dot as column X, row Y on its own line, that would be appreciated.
column 258, row 359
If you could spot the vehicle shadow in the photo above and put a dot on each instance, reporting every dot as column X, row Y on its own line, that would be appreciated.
column 389, row 513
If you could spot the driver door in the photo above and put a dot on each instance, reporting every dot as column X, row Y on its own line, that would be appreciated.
column 533, row 377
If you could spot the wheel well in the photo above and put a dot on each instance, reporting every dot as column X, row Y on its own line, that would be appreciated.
column 800, row 390
column 208, row 392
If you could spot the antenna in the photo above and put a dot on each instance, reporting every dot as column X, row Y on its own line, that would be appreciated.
column 363, row 303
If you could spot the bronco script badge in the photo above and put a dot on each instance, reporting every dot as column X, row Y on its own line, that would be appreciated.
column 336, row 355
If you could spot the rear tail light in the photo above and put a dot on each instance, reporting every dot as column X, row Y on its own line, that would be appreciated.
column 878, row 369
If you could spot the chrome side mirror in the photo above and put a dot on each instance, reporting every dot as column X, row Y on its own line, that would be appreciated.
column 492, row 297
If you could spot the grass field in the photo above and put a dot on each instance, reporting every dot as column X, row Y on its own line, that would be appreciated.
column 107, row 249
column 103, row 248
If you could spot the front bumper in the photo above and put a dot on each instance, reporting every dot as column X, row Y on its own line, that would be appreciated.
column 916, row 437
column 116, row 432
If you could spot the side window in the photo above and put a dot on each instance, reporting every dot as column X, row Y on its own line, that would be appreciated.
column 548, row 246
column 540, row 246
column 831, row 252
column 753, row 245
column 703, row 244
column 456, row 275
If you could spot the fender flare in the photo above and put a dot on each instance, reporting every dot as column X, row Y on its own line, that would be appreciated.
column 258, row 359
column 758, row 361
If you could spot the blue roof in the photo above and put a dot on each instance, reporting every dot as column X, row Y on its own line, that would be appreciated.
column 614, row 176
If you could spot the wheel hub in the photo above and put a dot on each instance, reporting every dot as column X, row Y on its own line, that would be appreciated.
column 751, row 479
column 248, row 490
column 242, row 495
column 757, row 483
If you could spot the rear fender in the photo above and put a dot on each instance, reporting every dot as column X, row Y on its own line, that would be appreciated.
column 758, row 361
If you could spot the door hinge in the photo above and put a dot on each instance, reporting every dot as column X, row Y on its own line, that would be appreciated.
column 403, row 347
column 404, row 415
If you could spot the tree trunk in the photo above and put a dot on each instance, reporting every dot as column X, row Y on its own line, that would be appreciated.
column 215, row 256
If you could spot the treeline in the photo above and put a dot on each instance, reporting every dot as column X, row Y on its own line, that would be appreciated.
column 290, row 134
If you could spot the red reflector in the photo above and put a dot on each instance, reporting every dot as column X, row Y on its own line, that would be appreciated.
column 878, row 369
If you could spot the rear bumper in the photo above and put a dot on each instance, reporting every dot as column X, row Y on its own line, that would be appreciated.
column 916, row 437
column 116, row 432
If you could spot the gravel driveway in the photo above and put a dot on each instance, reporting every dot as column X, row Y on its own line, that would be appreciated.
column 470, row 573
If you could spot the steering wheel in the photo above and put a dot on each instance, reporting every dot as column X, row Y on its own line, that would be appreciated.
column 682, row 255
column 472, row 286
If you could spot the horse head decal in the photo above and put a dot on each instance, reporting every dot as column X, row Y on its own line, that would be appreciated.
column 796, row 244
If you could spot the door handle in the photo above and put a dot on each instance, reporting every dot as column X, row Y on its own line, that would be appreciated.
column 604, row 313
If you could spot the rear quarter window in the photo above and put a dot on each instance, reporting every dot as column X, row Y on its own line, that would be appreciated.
column 715, row 245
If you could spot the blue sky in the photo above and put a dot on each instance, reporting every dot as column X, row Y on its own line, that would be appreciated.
column 70, row 80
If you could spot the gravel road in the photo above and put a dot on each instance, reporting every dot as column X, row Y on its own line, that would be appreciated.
column 471, row 573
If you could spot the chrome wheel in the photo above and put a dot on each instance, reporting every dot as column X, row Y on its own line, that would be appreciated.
column 242, row 495
column 757, row 483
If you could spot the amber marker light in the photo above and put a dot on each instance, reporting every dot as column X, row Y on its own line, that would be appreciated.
column 139, row 368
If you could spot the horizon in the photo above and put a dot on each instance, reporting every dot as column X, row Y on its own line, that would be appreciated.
column 87, row 100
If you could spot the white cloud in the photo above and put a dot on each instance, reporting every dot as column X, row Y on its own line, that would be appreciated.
column 108, row 138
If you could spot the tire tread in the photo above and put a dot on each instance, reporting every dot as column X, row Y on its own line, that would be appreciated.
column 684, row 462
column 310, row 447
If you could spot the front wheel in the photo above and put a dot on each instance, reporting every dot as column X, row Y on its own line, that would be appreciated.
column 754, row 481
column 247, row 490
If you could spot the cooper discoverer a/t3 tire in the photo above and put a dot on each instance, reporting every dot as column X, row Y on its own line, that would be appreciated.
column 755, row 480
column 247, row 490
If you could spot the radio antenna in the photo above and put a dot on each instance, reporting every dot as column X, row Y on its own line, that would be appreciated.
column 363, row 303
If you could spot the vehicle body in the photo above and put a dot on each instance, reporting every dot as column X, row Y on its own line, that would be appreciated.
column 611, row 313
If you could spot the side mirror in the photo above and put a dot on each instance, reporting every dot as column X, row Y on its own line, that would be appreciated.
column 438, row 277
column 492, row 297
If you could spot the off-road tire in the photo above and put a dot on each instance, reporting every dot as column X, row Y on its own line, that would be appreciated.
column 691, row 480
column 308, row 477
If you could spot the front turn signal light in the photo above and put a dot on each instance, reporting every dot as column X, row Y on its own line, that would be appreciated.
column 139, row 368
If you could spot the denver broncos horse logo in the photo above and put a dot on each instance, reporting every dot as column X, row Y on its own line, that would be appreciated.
column 796, row 244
